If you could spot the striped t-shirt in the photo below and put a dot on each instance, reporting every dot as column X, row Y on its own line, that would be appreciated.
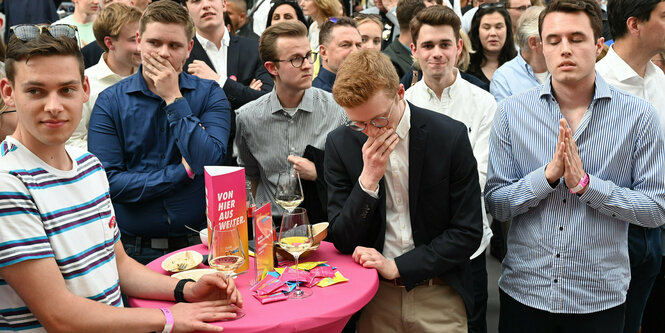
column 51, row 213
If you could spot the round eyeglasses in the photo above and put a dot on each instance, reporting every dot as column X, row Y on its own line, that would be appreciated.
column 378, row 122
column 298, row 60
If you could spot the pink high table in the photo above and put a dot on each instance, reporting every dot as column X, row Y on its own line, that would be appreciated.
column 327, row 310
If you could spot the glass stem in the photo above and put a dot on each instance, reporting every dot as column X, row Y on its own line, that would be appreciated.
column 297, row 290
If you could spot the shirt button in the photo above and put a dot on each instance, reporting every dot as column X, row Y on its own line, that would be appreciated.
column 564, row 200
column 560, row 228
column 555, row 280
column 614, row 215
column 558, row 255
column 163, row 157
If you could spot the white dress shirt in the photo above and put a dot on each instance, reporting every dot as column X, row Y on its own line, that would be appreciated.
column 475, row 108
column 100, row 77
column 218, row 57
column 399, row 236
column 619, row 74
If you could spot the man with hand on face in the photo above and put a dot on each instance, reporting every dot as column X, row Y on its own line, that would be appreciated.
column 403, row 197
column 282, row 124
column 154, row 132
column 231, row 61
column 436, row 46
column 572, row 169
column 338, row 39
column 62, row 265
column 115, row 28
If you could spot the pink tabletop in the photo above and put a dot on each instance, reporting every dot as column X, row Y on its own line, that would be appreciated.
column 327, row 310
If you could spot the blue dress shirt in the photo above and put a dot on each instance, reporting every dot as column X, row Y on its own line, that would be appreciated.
column 569, row 253
column 513, row 77
column 140, row 141
column 324, row 80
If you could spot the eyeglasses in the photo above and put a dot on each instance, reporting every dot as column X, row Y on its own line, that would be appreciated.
column 492, row 5
column 5, row 111
column 298, row 60
column 28, row 32
column 520, row 8
column 378, row 122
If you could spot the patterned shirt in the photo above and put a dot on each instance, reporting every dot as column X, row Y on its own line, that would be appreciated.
column 51, row 213
column 569, row 253
column 266, row 135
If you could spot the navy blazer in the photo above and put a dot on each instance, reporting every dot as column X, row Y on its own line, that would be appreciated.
column 444, row 201
column 238, row 92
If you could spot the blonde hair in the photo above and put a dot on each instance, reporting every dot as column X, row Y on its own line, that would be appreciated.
column 378, row 73
column 369, row 18
column 111, row 20
column 328, row 8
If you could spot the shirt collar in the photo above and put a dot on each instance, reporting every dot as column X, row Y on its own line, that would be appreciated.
column 102, row 69
column 620, row 68
column 523, row 64
column 405, row 123
column 601, row 88
column 137, row 82
column 449, row 91
column 306, row 103
column 226, row 40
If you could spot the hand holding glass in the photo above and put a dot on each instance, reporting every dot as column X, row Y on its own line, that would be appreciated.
column 227, row 253
column 295, row 237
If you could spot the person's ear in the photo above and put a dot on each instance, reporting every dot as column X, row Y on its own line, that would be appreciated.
column 108, row 41
column 323, row 53
column 533, row 42
column 7, row 92
column 272, row 68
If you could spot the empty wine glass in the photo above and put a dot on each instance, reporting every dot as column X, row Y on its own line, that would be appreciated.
column 227, row 254
column 295, row 237
column 289, row 190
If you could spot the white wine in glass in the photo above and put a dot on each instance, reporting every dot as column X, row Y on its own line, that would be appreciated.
column 227, row 254
column 295, row 237
column 289, row 190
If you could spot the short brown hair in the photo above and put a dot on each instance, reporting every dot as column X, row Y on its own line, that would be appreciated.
column 268, row 40
column 406, row 10
column 325, row 35
column 589, row 7
column 378, row 73
column 111, row 20
column 434, row 16
column 167, row 12
column 43, row 45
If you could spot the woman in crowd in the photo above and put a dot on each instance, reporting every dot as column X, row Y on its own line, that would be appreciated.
column 492, row 38
column 371, row 30
column 319, row 11
column 284, row 10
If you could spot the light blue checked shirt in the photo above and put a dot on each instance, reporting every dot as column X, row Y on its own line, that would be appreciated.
column 569, row 253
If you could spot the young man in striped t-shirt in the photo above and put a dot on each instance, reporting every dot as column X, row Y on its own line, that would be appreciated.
column 62, row 265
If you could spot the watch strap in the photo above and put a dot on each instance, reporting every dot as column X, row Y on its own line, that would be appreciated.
column 178, row 294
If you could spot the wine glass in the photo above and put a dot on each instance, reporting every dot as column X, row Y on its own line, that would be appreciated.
column 289, row 190
column 227, row 254
column 295, row 237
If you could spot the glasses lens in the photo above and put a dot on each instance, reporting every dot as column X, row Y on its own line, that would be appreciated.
column 379, row 122
column 297, row 61
column 26, row 32
column 62, row 30
column 355, row 126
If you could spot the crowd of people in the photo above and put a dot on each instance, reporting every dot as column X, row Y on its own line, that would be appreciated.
column 427, row 133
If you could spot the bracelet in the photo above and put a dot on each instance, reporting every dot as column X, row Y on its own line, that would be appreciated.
column 178, row 294
column 581, row 185
column 190, row 173
column 168, row 327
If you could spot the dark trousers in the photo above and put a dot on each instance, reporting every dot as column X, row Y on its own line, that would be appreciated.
column 477, row 320
column 645, row 258
column 653, row 320
column 516, row 317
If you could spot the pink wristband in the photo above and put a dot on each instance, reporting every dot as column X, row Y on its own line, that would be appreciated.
column 190, row 173
column 581, row 185
column 168, row 327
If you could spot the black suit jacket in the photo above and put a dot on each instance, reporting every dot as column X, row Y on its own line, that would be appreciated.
column 400, row 57
column 444, row 201
column 245, row 69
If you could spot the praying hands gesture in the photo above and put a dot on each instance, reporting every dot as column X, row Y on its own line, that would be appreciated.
column 566, row 161
column 163, row 76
